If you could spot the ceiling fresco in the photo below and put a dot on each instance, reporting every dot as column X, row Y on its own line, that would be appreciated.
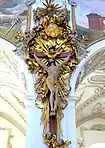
column 90, row 17
column 86, row 7
column 13, row 14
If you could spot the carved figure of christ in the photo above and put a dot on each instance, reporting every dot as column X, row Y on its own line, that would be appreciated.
column 53, row 71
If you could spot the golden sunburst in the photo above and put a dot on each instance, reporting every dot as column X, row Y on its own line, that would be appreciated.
column 49, row 5
column 49, row 9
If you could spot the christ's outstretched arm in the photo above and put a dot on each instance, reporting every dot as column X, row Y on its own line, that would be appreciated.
column 40, row 63
column 66, row 60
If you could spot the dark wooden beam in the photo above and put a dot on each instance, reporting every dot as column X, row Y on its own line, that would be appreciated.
column 62, row 55
column 53, row 125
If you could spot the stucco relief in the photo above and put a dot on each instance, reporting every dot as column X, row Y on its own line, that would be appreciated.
column 101, row 70
column 80, row 142
column 97, row 79
column 94, row 63
column 98, row 92
column 95, row 106
column 11, row 75
column 99, row 108
column 98, row 127
column 13, row 87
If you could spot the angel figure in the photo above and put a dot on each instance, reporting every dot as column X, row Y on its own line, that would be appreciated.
column 53, row 71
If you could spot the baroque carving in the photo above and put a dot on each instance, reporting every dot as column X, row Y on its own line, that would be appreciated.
column 99, row 108
column 94, row 63
column 24, row 81
column 80, row 143
column 98, row 93
column 98, row 127
column 82, row 51
column 51, row 53
column 10, row 68
column 19, row 40
column 52, row 142
column 101, row 70
column 97, row 79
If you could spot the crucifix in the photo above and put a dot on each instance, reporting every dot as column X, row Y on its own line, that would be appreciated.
column 53, row 71
column 51, row 54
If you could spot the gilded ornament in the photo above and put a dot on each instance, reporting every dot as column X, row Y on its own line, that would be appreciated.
column 53, row 30
column 51, row 140
column 51, row 54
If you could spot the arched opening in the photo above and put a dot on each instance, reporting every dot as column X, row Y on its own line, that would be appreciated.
column 90, row 92
column 12, row 98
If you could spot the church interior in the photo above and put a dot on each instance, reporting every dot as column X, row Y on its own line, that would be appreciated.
column 19, row 120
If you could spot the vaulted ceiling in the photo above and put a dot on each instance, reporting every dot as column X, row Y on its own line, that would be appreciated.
column 12, row 95
column 91, row 88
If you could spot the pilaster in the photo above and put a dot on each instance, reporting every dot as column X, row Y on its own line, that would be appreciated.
column 69, row 122
column 34, row 135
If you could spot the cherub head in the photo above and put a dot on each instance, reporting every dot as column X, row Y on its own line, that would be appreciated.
column 49, row 136
column 60, row 142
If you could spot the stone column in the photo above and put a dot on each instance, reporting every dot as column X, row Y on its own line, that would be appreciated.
column 69, row 122
column 34, row 135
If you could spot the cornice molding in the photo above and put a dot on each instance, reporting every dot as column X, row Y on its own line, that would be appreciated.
column 90, row 117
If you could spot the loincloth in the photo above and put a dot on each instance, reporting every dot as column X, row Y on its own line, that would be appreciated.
column 53, row 82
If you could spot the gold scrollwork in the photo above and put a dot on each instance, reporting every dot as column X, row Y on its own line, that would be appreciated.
column 52, row 142
column 51, row 41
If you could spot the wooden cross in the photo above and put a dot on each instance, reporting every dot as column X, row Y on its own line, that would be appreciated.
column 52, row 119
column 62, row 55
